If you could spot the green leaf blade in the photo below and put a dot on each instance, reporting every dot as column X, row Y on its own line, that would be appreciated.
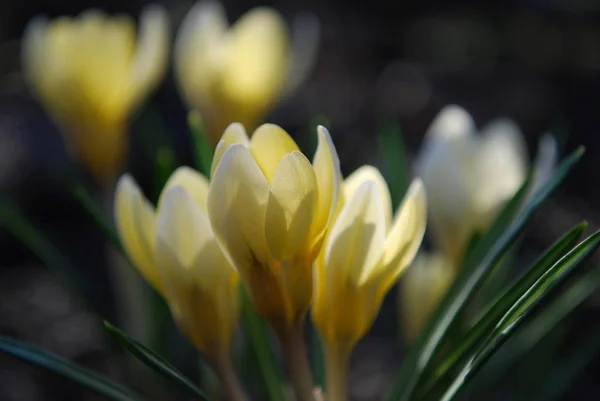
column 155, row 362
column 86, row 378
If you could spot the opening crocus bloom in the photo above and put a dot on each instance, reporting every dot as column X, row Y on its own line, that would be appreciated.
column 237, row 73
column 364, row 255
column 176, row 251
column 468, row 176
column 422, row 288
column 270, row 208
column 90, row 72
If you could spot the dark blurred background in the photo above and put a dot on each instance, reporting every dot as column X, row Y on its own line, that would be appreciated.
column 536, row 61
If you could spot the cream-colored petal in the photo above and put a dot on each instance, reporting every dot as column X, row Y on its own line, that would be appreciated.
column 256, row 65
column 135, row 223
column 268, row 145
column 355, row 243
column 195, row 184
column 237, row 202
column 151, row 58
column 183, row 225
column 422, row 287
column 327, row 170
column 198, row 52
column 502, row 165
column 291, row 207
column 234, row 133
column 451, row 122
column 406, row 235
column 370, row 173
column 306, row 32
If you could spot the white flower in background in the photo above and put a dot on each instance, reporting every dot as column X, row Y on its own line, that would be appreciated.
column 468, row 175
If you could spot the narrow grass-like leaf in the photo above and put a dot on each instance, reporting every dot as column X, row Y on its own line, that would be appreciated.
column 95, row 210
column 476, row 269
column 203, row 148
column 567, row 370
column 51, row 257
column 395, row 160
column 521, row 311
column 93, row 381
column 539, row 327
column 155, row 362
column 317, row 359
column 165, row 165
column 258, row 335
column 494, row 312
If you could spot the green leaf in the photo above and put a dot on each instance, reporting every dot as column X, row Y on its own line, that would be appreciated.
column 476, row 269
column 155, row 361
column 22, row 229
column 522, row 311
column 93, row 208
column 165, row 165
column 203, row 148
column 496, row 309
column 395, row 160
column 258, row 334
column 539, row 327
column 317, row 359
column 91, row 380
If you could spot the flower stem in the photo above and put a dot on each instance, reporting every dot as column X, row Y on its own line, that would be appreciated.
column 337, row 359
column 229, row 380
column 291, row 337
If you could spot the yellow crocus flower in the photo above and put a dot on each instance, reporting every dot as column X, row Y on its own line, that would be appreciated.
column 422, row 288
column 270, row 207
column 468, row 176
column 238, row 73
column 365, row 253
column 90, row 72
column 175, row 249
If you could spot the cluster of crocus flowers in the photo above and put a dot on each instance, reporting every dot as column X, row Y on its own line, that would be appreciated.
column 90, row 73
column 238, row 72
column 295, row 233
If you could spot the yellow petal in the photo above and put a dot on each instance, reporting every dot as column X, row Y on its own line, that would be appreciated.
column 422, row 288
column 150, row 59
column 198, row 52
column 182, row 225
column 291, row 206
column 237, row 202
column 235, row 133
column 202, row 285
column 192, row 181
column 370, row 173
column 135, row 221
column 355, row 244
column 406, row 234
column 327, row 170
column 256, row 65
column 268, row 145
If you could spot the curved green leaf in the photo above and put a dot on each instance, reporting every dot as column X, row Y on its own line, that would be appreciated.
column 521, row 311
column 86, row 378
column 477, row 267
column 203, row 148
column 503, row 302
column 155, row 361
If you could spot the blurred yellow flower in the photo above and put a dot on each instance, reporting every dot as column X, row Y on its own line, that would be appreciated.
column 270, row 208
column 175, row 249
column 421, row 289
column 238, row 73
column 365, row 253
column 90, row 72
column 468, row 177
